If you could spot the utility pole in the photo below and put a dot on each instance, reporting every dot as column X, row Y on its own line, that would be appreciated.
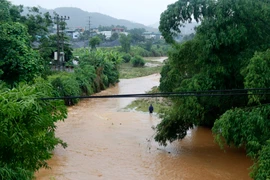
column 60, row 19
column 89, row 26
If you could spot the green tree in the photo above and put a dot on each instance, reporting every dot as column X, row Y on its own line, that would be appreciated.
column 114, row 37
column 188, row 37
column 36, row 22
column 102, row 37
column 137, row 61
column 220, row 56
column 36, row 26
column 18, row 61
column 94, row 42
column 106, row 65
column 136, row 35
column 148, row 44
column 5, row 11
column 109, row 28
column 125, row 41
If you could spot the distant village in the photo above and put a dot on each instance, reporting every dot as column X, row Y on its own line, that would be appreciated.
column 75, row 33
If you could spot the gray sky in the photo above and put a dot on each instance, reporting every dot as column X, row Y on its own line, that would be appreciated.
column 142, row 11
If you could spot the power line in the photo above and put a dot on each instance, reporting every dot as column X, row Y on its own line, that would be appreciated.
column 210, row 93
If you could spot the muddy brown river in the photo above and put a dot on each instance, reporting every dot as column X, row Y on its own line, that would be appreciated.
column 107, row 142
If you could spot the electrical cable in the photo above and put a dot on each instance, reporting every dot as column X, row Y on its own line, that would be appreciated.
column 210, row 93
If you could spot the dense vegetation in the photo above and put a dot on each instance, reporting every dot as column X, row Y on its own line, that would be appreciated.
column 133, row 62
column 157, row 50
column 137, row 61
column 229, row 51
column 27, row 123
column 27, row 129
column 97, row 70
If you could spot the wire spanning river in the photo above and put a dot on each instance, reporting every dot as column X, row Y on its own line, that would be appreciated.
column 106, row 142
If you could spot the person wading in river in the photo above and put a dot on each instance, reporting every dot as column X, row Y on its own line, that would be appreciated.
column 151, row 109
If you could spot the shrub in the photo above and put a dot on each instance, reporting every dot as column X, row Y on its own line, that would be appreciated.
column 65, row 85
column 137, row 61
column 126, row 58
column 140, row 51
column 85, row 76
column 105, row 64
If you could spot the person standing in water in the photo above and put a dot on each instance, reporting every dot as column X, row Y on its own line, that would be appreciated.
column 151, row 109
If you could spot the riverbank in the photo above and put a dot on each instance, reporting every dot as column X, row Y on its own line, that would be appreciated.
column 153, row 65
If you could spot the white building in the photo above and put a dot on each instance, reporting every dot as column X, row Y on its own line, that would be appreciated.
column 152, row 35
column 108, row 34
column 76, row 35
column 125, row 33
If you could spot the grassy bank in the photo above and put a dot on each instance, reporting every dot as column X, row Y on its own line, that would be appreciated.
column 127, row 71
column 142, row 104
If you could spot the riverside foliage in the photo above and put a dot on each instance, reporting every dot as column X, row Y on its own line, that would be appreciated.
column 27, row 129
column 96, row 71
column 27, row 123
column 229, row 51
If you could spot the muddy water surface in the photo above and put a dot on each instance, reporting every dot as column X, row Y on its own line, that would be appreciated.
column 105, row 142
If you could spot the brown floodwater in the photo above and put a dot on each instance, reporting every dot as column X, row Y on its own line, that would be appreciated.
column 107, row 142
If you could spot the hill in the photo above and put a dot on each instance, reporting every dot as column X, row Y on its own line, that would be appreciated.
column 80, row 18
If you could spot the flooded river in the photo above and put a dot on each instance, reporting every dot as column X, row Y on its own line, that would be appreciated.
column 106, row 142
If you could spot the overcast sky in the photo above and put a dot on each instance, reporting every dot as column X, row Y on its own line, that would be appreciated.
column 142, row 11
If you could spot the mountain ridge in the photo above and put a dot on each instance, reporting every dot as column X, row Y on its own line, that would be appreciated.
column 80, row 18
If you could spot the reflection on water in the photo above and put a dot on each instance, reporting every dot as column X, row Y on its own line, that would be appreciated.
column 107, row 143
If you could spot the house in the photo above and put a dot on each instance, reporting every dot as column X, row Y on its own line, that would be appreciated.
column 94, row 30
column 73, row 33
column 108, row 34
column 149, row 35
column 76, row 35
column 69, row 32
column 118, row 30
column 152, row 35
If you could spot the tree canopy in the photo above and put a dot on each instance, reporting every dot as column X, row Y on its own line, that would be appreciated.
column 18, row 61
column 125, row 41
column 109, row 28
column 230, row 50
column 94, row 41
column 136, row 35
